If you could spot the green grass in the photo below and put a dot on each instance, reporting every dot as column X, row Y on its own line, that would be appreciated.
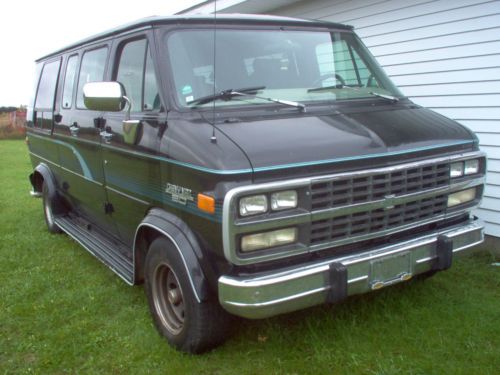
column 62, row 311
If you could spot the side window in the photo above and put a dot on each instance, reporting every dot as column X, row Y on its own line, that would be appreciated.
column 47, row 86
column 130, row 71
column 69, row 81
column 44, row 103
column 136, row 73
column 92, row 70
column 151, row 95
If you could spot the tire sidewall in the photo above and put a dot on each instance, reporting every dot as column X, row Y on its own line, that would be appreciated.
column 163, row 251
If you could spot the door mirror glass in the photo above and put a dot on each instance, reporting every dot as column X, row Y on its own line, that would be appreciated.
column 104, row 96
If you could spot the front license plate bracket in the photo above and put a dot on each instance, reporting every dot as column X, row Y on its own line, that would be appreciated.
column 390, row 270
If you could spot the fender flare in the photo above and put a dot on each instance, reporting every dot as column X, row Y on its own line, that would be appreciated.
column 48, row 177
column 184, row 240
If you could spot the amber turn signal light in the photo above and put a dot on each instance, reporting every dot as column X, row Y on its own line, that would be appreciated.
column 206, row 203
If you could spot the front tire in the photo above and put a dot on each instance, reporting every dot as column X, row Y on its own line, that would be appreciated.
column 188, row 325
column 48, row 210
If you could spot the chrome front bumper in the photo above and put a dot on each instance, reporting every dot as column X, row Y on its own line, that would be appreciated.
column 330, row 280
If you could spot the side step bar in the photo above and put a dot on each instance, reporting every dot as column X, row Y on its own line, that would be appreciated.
column 100, row 247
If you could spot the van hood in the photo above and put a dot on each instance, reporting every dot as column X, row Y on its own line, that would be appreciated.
column 395, row 131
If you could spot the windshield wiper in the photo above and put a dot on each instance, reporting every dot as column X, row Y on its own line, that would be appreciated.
column 226, row 95
column 327, row 88
column 229, row 94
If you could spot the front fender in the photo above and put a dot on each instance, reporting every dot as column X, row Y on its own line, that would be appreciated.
column 178, row 232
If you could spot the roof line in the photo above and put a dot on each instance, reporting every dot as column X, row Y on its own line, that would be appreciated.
column 198, row 19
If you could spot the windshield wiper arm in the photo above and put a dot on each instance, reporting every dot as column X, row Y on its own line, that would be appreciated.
column 226, row 95
column 384, row 96
column 326, row 88
column 229, row 94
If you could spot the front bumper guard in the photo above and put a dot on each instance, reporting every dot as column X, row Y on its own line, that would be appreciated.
column 327, row 281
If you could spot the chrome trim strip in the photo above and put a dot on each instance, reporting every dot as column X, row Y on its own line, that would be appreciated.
column 66, row 169
column 230, row 227
column 176, row 246
column 127, row 196
column 44, row 159
column 281, row 300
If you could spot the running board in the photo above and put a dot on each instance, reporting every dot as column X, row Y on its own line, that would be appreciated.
column 99, row 246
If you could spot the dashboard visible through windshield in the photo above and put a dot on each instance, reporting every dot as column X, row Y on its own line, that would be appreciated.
column 299, row 66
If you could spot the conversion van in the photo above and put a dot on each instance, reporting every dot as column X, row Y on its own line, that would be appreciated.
column 254, row 168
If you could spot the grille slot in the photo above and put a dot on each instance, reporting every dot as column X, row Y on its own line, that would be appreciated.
column 352, row 190
column 360, row 223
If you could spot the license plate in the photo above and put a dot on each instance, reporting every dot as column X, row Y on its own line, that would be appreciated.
column 390, row 270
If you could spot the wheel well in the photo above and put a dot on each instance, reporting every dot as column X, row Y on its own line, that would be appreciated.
column 37, row 181
column 145, row 236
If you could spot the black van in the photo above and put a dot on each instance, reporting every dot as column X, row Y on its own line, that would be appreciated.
column 253, row 168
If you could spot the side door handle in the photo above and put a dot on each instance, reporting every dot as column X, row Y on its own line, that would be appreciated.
column 74, row 129
column 106, row 135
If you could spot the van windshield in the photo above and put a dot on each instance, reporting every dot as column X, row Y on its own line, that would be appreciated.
column 300, row 66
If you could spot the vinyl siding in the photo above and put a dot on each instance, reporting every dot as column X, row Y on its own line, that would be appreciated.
column 444, row 55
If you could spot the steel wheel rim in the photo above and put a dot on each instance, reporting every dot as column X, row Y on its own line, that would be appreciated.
column 168, row 298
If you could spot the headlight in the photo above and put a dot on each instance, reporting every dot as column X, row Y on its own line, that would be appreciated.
column 265, row 240
column 253, row 205
column 464, row 168
column 471, row 166
column 283, row 200
column 461, row 197
column 457, row 169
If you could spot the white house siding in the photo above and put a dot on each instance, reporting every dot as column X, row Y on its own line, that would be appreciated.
column 443, row 54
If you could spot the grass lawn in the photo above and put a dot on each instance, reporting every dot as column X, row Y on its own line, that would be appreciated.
column 62, row 311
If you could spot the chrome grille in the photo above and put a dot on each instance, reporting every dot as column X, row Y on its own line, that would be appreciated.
column 352, row 190
column 366, row 222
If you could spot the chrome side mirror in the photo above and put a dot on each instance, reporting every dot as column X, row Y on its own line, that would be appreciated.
column 104, row 96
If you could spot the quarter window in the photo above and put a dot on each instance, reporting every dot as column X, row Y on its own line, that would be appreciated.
column 92, row 70
column 69, row 82
column 47, row 86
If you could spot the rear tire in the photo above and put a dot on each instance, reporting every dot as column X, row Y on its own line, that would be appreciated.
column 49, row 208
column 188, row 325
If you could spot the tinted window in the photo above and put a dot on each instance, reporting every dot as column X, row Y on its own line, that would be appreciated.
column 130, row 71
column 47, row 86
column 136, row 73
column 92, row 70
column 151, row 96
column 69, row 81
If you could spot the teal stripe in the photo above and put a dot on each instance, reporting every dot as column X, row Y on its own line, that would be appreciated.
column 284, row 166
column 83, row 165
column 350, row 158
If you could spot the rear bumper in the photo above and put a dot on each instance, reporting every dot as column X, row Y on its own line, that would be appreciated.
column 286, row 290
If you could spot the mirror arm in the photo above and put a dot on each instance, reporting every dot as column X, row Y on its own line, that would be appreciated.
column 129, row 107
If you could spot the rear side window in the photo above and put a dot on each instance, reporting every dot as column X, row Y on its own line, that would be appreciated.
column 92, row 70
column 69, row 81
column 136, row 73
column 47, row 86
